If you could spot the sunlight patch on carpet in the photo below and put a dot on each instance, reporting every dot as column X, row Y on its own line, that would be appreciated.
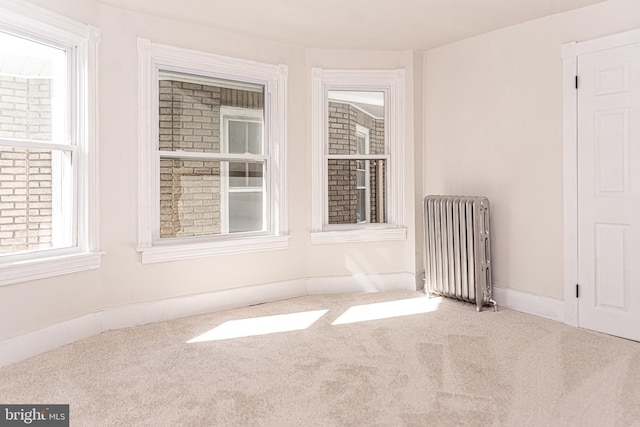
column 386, row 310
column 261, row 326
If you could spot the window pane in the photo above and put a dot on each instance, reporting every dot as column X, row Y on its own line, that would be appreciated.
column 237, row 136
column 255, row 138
column 245, row 211
column 33, row 90
column 344, row 180
column 190, row 112
column 348, row 109
column 360, row 149
column 246, row 174
column 360, row 178
column 190, row 198
column 238, row 174
column 35, row 201
column 361, row 215
column 201, row 198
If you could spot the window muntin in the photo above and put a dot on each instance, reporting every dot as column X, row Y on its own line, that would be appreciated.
column 38, row 148
column 212, row 153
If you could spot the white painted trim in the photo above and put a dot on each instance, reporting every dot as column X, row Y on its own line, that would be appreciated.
column 23, row 14
column 28, row 345
column 549, row 308
column 318, row 138
column 48, row 267
column 193, row 305
column 362, row 283
column 151, row 58
column 570, row 187
column 570, row 58
column 222, row 247
column 146, row 149
column 573, row 49
column 391, row 83
column 359, row 235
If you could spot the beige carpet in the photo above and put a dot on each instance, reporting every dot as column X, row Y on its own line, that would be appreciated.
column 444, row 365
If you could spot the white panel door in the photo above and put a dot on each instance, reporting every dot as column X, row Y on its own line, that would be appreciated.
column 609, row 191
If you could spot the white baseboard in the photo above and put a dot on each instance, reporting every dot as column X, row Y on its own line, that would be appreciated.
column 31, row 344
column 362, row 283
column 28, row 345
column 549, row 308
column 193, row 305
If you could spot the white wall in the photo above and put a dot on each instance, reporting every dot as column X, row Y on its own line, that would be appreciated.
column 122, row 279
column 493, row 113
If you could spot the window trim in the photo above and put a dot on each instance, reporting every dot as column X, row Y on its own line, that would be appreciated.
column 82, row 41
column 152, row 57
column 391, row 83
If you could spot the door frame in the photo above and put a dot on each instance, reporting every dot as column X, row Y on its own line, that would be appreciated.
column 570, row 53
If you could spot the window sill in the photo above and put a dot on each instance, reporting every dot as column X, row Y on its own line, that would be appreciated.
column 197, row 250
column 24, row 271
column 359, row 235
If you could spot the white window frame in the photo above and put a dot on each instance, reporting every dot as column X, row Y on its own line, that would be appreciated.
column 391, row 84
column 81, row 42
column 361, row 130
column 153, row 57
column 244, row 115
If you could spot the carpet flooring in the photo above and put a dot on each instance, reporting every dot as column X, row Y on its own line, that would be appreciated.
column 371, row 359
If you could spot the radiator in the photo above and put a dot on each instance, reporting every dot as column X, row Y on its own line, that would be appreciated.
column 458, row 249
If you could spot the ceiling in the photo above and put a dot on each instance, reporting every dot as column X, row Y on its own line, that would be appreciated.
column 355, row 24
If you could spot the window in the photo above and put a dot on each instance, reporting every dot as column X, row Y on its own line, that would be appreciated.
column 212, row 151
column 357, row 156
column 48, row 182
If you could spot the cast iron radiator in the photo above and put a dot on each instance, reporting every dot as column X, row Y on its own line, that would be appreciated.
column 458, row 249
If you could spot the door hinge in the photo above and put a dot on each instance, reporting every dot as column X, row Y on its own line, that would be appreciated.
column 577, row 291
column 576, row 82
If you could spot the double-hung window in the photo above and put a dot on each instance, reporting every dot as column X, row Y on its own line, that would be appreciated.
column 358, row 155
column 48, row 177
column 212, row 154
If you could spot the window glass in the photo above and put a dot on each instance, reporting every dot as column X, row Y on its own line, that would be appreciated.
column 210, row 194
column 36, row 154
column 247, row 209
column 349, row 109
column 356, row 187
column 354, row 184
column 190, row 114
